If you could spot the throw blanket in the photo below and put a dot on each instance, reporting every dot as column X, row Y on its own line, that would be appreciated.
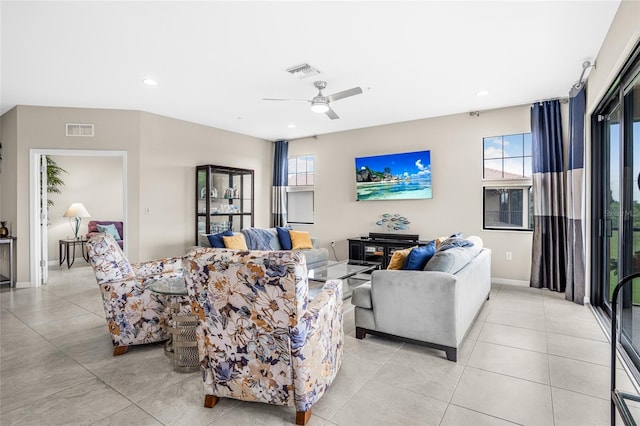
column 257, row 239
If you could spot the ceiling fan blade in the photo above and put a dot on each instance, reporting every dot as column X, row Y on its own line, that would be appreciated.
column 344, row 94
column 294, row 100
column 332, row 114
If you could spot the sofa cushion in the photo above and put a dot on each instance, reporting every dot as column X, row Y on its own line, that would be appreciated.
column 419, row 256
column 275, row 240
column 300, row 240
column 361, row 296
column 284, row 237
column 454, row 259
column 398, row 258
column 315, row 257
column 109, row 229
column 235, row 242
column 215, row 240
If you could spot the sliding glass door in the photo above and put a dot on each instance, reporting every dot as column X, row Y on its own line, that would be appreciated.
column 616, row 202
column 610, row 225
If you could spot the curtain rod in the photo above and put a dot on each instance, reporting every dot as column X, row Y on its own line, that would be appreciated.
column 528, row 104
column 585, row 66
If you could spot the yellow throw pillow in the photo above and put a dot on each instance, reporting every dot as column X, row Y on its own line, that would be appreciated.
column 398, row 258
column 237, row 242
column 300, row 240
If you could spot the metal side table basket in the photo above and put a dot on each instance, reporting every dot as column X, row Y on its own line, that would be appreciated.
column 182, row 347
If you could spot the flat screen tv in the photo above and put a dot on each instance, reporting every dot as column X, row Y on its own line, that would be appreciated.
column 394, row 176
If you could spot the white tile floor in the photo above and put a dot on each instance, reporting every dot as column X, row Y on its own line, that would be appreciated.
column 531, row 358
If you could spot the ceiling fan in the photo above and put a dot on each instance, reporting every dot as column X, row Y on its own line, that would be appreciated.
column 320, row 103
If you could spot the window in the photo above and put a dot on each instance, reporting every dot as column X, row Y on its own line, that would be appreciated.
column 507, row 183
column 300, row 180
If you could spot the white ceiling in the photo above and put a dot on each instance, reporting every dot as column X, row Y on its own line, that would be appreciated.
column 215, row 61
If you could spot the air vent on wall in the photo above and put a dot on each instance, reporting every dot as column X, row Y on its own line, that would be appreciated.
column 78, row 129
column 302, row 71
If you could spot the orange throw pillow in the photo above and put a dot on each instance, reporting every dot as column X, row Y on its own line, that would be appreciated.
column 237, row 242
column 300, row 240
column 398, row 258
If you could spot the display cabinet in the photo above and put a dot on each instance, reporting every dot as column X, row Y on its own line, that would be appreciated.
column 224, row 199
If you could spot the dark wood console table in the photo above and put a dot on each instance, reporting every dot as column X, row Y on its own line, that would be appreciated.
column 10, row 244
column 378, row 247
column 67, row 248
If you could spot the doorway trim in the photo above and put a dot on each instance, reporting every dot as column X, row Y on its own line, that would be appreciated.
column 35, row 240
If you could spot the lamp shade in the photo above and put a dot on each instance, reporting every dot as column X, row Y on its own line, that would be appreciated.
column 76, row 210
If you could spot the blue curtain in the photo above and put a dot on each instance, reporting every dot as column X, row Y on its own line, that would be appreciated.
column 575, row 200
column 279, row 186
column 549, row 254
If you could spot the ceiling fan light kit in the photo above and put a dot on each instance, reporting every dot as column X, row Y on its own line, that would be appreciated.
column 320, row 103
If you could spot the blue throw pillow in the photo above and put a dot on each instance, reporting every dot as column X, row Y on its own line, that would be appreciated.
column 284, row 237
column 419, row 256
column 217, row 241
column 109, row 229
column 454, row 242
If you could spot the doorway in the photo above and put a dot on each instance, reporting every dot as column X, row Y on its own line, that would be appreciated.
column 38, row 228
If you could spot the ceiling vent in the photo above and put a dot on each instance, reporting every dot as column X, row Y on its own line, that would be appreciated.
column 303, row 71
column 78, row 129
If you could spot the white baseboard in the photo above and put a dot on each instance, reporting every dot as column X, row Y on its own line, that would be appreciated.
column 507, row 281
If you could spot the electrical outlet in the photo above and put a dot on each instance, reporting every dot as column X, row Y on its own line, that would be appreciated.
column 509, row 255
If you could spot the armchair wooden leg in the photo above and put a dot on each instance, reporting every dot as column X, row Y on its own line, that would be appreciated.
column 120, row 350
column 210, row 401
column 302, row 417
column 360, row 333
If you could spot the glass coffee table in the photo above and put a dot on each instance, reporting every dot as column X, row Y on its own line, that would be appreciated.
column 352, row 273
column 181, row 347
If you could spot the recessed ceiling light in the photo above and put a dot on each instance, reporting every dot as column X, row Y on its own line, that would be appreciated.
column 482, row 93
column 291, row 126
column 150, row 82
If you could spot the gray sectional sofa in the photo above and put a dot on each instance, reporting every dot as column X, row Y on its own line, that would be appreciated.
column 315, row 257
column 434, row 307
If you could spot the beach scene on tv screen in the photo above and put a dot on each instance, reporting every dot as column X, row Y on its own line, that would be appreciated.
column 394, row 176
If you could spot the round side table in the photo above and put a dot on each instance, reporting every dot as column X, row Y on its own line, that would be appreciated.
column 182, row 347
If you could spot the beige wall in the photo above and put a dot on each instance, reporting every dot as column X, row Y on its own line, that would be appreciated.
column 9, row 170
column 170, row 150
column 96, row 182
column 622, row 36
column 161, row 179
column 9, row 181
column 44, row 128
column 455, row 143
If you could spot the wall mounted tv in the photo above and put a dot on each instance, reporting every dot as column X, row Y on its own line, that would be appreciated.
column 394, row 176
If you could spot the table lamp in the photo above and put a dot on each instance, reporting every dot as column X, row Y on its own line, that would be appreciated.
column 76, row 212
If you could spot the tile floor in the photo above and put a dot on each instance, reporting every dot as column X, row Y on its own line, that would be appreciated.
column 531, row 358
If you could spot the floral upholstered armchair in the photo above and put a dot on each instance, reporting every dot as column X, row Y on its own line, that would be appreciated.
column 134, row 314
column 259, row 336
